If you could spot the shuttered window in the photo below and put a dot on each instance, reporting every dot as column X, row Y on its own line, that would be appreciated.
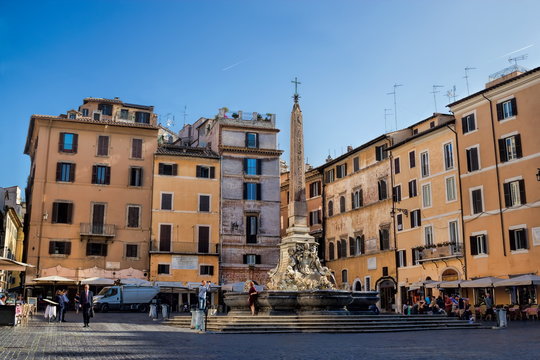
column 136, row 148
column 252, row 229
column 206, row 270
column 133, row 216
column 135, row 176
column 167, row 169
column 473, row 162
column 412, row 159
column 506, row 109
column 476, row 198
column 397, row 168
column 103, row 145
column 68, row 142
column 252, row 191
column 413, row 191
column 166, row 201
column 514, row 193
column 468, row 123
column 510, row 148
column 65, row 172
column 101, row 175
column 206, row 172
column 62, row 212
column 165, row 232
column 478, row 244
column 204, row 203
column 204, row 239
column 381, row 185
column 518, row 239
column 59, row 247
column 132, row 251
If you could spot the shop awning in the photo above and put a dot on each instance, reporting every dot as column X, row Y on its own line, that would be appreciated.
column 433, row 285
column 522, row 280
column 12, row 265
column 54, row 279
column 489, row 281
column 97, row 281
column 450, row 284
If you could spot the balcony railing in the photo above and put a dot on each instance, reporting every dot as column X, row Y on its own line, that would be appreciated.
column 184, row 247
column 88, row 229
column 442, row 251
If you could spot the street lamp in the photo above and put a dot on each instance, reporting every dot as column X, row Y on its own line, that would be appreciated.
column 538, row 175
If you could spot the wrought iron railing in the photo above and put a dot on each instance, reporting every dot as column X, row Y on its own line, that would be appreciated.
column 90, row 229
column 442, row 250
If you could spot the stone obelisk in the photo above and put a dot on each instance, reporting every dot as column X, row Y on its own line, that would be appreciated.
column 299, row 267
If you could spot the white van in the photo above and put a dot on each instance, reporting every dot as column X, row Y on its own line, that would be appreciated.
column 125, row 297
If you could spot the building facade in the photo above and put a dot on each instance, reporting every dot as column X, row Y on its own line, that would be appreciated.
column 89, row 191
column 499, row 152
column 12, row 211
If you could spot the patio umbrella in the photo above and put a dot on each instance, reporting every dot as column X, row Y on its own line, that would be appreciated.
column 137, row 282
column 433, row 285
column 522, row 280
column 486, row 282
column 97, row 281
column 12, row 265
column 450, row 284
column 54, row 279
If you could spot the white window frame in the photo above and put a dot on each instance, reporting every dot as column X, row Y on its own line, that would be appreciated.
column 417, row 224
column 452, row 165
column 429, row 236
column 481, row 188
column 454, row 188
column 161, row 200
column 475, row 122
column 477, row 146
column 485, row 248
column 427, row 201
column 127, row 216
column 415, row 187
column 209, row 203
column 367, row 280
column 157, row 269
column 450, row 230
column 426, row 164
column 401, row 258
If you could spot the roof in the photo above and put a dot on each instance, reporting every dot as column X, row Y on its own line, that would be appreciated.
column 118, row 101
column 186, row 151
column 495, row 86
column 361, row 147
column 420, row 134
column 436, row 114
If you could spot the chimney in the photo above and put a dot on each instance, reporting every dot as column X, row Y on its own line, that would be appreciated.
column 349, row 148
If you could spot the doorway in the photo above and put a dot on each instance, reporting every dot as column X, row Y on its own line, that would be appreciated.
column 387, row 291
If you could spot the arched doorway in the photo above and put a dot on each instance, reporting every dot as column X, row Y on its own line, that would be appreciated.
column 387, row 290
column 357, row 286
column 449, row 275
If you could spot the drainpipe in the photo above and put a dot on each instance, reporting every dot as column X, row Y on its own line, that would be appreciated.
column 460, row 201
column 393, row 213
column 497, row 173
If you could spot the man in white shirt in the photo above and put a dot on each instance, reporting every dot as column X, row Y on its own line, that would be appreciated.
column 3, row 300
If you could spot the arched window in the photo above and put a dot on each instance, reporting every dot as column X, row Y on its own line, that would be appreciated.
column 330, row 208
column 344, row 276
column 331, row 252
column 357, row 285
column 449, row 275
column 342, row 204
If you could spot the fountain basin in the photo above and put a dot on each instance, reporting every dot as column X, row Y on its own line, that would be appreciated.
column 361, row 301
column 323, row 302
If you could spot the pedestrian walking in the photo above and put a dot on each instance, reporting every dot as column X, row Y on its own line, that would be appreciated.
column 203, row 290
column 61, row 305
column 87, row 300
column 252, row 293
column 77, row 301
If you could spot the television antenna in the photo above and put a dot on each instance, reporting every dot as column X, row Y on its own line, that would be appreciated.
column 466, row 77
column 434, row 92
column 387, row 112
column 395, row 102
column 185, row 114
column 451, row 94
column 517, row 58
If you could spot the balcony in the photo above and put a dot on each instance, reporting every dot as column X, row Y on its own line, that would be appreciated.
column 105, row 230
column 177, row 247
column 441, row 251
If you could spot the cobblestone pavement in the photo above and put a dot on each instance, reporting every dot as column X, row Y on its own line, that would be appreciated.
column 124, row 336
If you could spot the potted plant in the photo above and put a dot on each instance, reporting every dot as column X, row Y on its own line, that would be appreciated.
column 235, row 115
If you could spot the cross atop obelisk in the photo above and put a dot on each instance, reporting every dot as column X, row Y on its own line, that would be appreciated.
column 297, row 178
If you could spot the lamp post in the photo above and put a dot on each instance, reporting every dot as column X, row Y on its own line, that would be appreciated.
column 538, row 175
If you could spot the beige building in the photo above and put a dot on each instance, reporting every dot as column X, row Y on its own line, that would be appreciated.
column 499, row 152
column 89, row 191
column 185, row 215
column 427, row 208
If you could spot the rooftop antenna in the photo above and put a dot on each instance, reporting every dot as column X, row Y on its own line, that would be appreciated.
column 184, row 114
column 466, row 77
column 387, row 112
column 517, row 58
column 395, row 106
column 434, row 92
column 451, row 94
column 170, row 120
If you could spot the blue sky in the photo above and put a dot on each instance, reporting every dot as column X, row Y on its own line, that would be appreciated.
column 243, row 55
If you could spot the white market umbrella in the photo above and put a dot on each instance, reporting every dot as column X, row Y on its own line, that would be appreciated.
column 522, row 280
column 450, row 284
column 485, row 282
column 54, row 279
column 136, row 282
column 97, row 281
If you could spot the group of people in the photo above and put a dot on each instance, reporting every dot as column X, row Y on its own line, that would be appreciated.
column 82, row 301
column 451, row 305
column 18, row 301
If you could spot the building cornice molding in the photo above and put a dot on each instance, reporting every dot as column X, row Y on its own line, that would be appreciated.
column 244, row 150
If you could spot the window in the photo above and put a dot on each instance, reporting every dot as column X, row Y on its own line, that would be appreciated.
column 473, row 162
column 315, row 217
column 399, row 221
column 344, row 276
column 330, row 208
column 384, row 239
column 518, row 239
column 357, row 200
column 252, row 166
column 103, row 146
column 424, row 163
column 165, row 232
column 468, row 123
column 97, row 116
column 204, row 203
column 396, row 166
column 341, row 171
column 315, row 189
column 252, row 259
column 132, row 251
column 166, row 201
column 367, row 283
column 415, row 218
column 101, row 175
column 142, row 117
column 65, row 172
column 206, row 270
column 96, row 249
column 331, row 251
column 396, row 193
column 412, row 188
column 450, row 188
column 106, row 109
column 133, row 216
column 448, row 157
column 412, row 159
column 380, row 152
column 72, row 115
column 62, row 212
column 135, row 176
column 204, row 239
column 329, row 176
column 428, row 235
column 510, row 148
column 432, row 124
column 84, row 112
column 478, row 244
column 401, row 257
column 416, row 256
column 360, row 245
column 514, row 193
column 163, row 269
column 342, row 204
column 453, row 232
column 342, row 248
column 124, row 114
column 136, row 148
column 426, row 195
column 352, row 246
column 381, row 184
column 252, row 140
column 356, row 164
column 252, row 191
column 476, row 199
column 68, row 142
column 252, row 229
column 207, row 172
column 167, row 169
column 506, row 109
column 59, row 247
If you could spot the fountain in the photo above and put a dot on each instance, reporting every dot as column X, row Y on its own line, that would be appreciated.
column 300, row 284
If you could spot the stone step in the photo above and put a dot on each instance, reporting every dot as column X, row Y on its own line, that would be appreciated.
column 368, row 330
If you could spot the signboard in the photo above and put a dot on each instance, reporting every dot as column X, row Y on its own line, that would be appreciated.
column 112, row 265
column 185, row 262
column 536, row 236
column 372, row 263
